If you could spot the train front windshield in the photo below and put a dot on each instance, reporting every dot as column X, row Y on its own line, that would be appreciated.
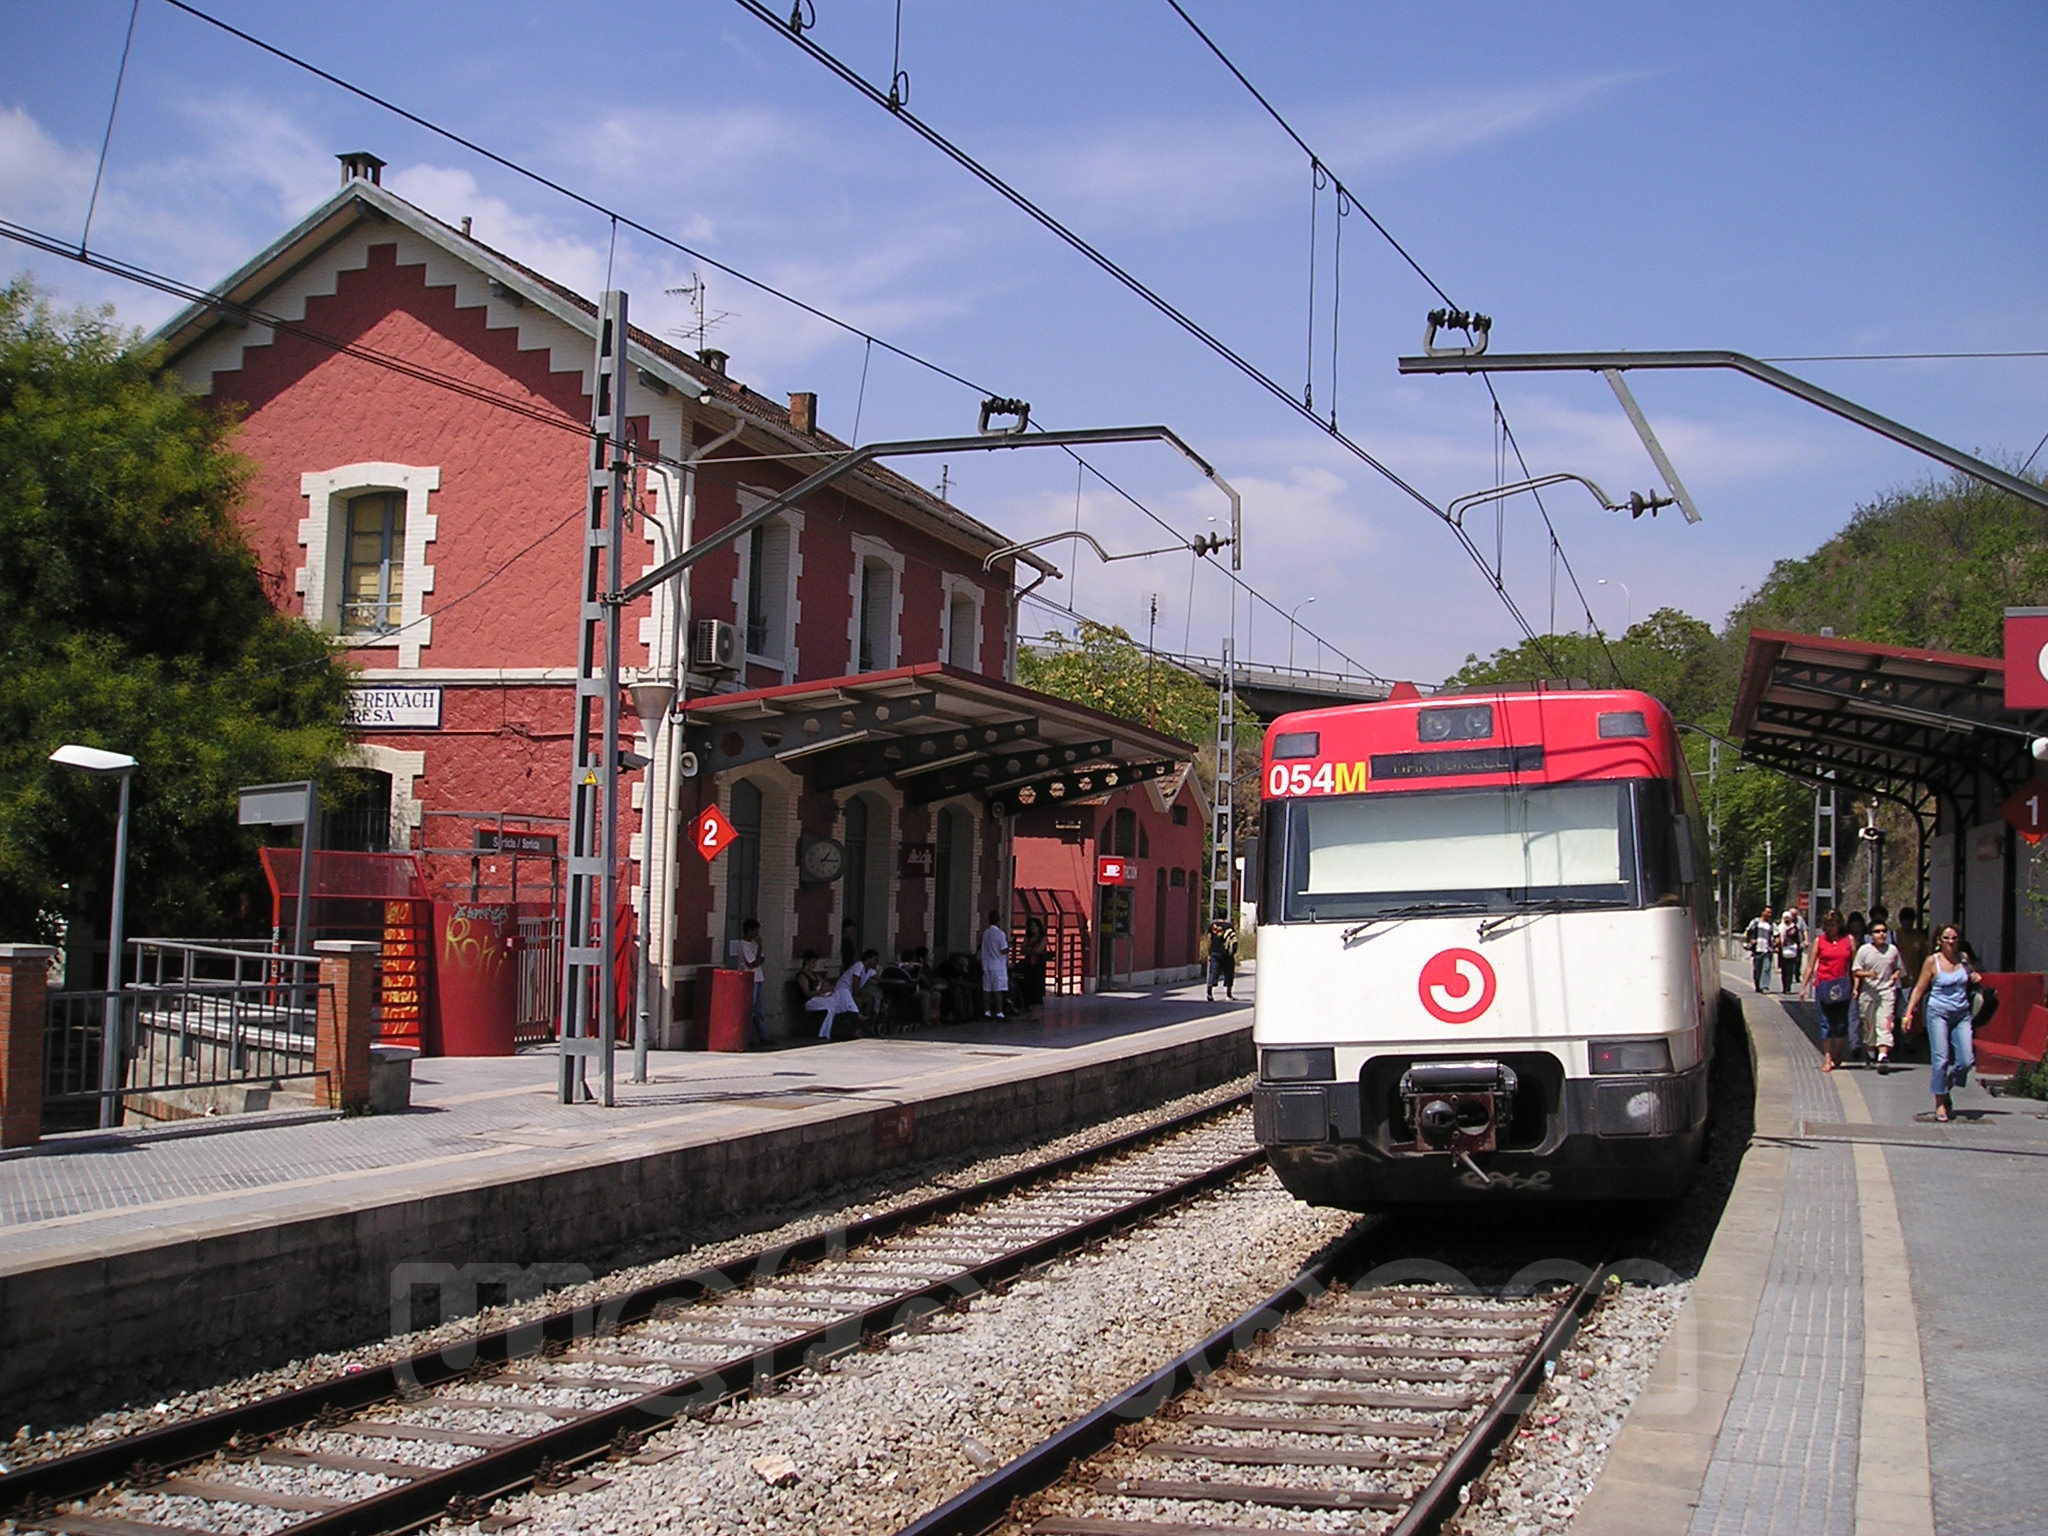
column 1605, row 844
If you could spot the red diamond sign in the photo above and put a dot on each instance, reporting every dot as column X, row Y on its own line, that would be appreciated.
column 712, row 832
column 2027, row 810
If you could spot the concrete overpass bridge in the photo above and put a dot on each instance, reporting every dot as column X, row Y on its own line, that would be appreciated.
column 1267, row 690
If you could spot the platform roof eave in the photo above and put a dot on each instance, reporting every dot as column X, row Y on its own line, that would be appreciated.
column 1901, row 720
column 934, row 732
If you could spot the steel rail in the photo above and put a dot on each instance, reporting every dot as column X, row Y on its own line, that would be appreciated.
column 988, row 1503
column 83, row 1472
column 1439, row 1501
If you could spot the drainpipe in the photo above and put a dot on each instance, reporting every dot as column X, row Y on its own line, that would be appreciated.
column 658, row 815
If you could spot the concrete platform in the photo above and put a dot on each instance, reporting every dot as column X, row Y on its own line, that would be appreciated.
column 204, row 1253
column 1860, row 1354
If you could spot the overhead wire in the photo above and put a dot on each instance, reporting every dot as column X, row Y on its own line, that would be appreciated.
column 1343, row 193
column 620, row 219
column 1208, row 338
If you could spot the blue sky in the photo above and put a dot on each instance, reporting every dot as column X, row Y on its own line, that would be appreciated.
column 1782, row 181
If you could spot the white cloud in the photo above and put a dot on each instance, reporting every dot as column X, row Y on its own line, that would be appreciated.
column 42, row 182
column 1166, row 174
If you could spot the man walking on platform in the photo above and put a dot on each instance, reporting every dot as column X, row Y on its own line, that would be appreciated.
column 995, row 969
column 1222, row 958
column 1761, row 939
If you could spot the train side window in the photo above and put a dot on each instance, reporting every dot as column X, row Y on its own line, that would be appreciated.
column 1659, row 829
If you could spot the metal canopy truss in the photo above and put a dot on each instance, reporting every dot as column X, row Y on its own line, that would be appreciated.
column 932, row 730
column 1072, row 788
column 793, row 734
column 1003, row 770
column 901, row 757
column 1898, row 722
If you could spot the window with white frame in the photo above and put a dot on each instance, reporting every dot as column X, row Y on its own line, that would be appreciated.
column 373, row 564
column 962, row 640
column 877, row 605
column 365, row 537
column 767, row 605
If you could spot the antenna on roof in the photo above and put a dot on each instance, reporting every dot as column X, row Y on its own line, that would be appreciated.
column 694, row 293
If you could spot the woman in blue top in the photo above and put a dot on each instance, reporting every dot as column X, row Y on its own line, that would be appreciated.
column 1945, row 982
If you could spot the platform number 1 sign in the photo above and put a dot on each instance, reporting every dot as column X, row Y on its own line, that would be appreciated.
column 2027, row 810
column 712, row 832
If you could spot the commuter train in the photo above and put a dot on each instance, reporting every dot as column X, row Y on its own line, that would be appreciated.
column 1484, row 965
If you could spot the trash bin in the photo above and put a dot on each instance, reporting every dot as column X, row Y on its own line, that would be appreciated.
column 728, row 1006
column 391, row 1079
column 476, row 979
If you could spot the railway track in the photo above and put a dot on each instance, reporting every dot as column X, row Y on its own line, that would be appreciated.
column 1325, row 1408
column 443, row 1435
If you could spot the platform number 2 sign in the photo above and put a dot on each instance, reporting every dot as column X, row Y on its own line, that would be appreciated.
column 712, row 832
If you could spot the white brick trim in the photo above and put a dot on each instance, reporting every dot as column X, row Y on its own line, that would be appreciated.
column 404, row 767
column 322, row 529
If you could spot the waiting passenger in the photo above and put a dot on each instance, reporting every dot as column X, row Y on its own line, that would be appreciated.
column 845, row 995
column 995, row 969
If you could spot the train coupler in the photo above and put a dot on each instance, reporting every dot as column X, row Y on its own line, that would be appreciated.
column 1458, row 1107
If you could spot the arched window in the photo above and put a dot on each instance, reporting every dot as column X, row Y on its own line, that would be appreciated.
column 1123, row 833
column 864, row 887
column 952, row 883
column 743, row 859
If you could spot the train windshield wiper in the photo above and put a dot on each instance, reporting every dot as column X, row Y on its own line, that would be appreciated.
column 1526, row 906
column 1412, row 909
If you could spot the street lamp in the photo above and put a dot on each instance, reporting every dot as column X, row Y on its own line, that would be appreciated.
column 1628, row 597
column 651, row 702
column 117, row 765
column 1290, row 629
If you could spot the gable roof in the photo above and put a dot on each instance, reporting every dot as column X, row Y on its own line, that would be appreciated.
column 237, row 300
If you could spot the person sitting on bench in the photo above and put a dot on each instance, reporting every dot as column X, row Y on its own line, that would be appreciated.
column 845, row 994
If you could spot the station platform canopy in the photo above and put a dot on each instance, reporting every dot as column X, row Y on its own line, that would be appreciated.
column 933, row 731
column 1896, row 721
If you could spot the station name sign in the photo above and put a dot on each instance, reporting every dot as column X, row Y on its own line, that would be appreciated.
column 394, row 709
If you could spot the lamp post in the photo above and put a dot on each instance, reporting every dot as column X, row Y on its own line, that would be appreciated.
column 116, row 765
column 651, row 702
column 1628, row 601
column 1290, row 629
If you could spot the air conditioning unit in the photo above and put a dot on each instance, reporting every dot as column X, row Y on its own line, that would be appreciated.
column 714, row 646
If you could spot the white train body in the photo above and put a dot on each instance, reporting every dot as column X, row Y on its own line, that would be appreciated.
column 1482, row 968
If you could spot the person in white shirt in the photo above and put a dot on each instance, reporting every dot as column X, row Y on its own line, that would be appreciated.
column 746, row 950
column 1761, row 940
column 1878, row 969
column 995, row 969
column 845, row 994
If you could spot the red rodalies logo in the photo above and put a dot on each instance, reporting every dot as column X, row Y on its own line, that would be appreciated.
column 1456, row 985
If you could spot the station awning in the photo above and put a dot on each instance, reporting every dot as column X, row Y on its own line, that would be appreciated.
column 1891, row 719
column 934, row 732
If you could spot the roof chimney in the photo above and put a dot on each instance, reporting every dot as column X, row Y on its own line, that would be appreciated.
column 803, row 411
column 361, row 165
column 713, row 359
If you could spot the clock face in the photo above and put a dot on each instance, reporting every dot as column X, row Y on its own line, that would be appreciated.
column 823, row 859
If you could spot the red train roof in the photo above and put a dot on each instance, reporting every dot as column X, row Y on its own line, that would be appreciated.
column 1488, row 737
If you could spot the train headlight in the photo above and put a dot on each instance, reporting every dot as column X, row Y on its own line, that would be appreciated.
column 1629, row 1056
column 1298, row 1064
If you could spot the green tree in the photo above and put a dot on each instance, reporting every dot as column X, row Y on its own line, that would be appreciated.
column 1102, row 667
column 1671, row 655
column 133, row 617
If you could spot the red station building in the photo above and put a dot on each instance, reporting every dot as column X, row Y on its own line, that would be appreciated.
column 417, row 409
